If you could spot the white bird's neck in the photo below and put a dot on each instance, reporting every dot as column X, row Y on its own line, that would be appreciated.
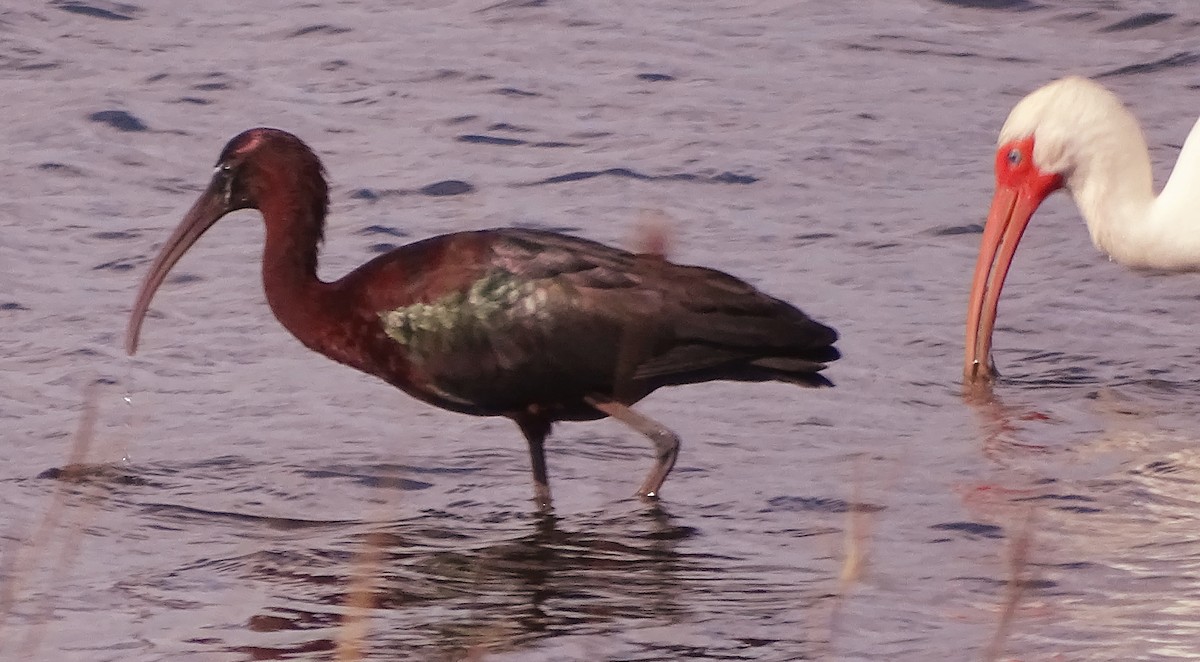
column 1114, row 188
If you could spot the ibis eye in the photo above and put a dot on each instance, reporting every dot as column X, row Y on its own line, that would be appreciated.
column 1014, row 157
column 225, row 172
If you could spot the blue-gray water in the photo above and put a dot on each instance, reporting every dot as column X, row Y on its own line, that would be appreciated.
column 837, row 155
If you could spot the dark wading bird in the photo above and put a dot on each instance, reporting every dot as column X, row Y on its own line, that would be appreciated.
column 1074, row 134
column 532, row 325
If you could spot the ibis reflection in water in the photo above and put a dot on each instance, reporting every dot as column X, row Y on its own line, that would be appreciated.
column 535, row 326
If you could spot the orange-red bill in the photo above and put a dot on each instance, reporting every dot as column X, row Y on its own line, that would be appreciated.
column 206, row 211
column 1009, row 215
column 1001, row 234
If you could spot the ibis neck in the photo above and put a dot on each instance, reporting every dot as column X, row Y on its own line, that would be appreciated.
column 1115, row 194
column 289, row 268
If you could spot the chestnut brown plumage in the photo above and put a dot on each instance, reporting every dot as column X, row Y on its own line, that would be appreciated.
column 532, row 325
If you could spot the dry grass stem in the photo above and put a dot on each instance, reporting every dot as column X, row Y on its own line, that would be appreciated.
column 855, row 544
column 857, row 536
column 24, row 557
column 1018, row 580
column 360, row 598
column 652, row 236
column 360, row 594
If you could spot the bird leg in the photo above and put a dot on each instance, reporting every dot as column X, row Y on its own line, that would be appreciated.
column 666, row 443
column 535, row 428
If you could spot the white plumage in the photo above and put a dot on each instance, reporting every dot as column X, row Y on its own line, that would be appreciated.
column 1075, row 134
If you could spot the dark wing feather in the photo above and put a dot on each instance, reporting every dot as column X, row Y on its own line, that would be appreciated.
column 686, row 321
column 547, row 318
column 718, row 320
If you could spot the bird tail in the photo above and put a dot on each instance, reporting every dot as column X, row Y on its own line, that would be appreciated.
column 779, row 344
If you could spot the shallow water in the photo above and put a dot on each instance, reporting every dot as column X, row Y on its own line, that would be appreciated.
column 836, row 155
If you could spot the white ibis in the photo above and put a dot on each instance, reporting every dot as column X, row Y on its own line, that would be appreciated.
column 1075, row 134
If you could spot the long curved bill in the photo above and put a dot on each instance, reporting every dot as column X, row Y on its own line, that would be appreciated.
column 206, row 211
column 1012, row 207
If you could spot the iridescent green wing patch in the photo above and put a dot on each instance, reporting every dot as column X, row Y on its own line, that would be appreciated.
column 496, row 301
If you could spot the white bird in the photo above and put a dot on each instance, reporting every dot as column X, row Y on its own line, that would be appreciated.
column 1075, row 134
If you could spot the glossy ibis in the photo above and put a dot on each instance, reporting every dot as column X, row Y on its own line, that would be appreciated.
column 1075, row 134
column 532, row 325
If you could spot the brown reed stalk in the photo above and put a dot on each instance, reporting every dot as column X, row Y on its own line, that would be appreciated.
column 360, row 594
column 855, row 550
column 360, row 598
column 24, row 556
column 651, row 239
column 1019, row 579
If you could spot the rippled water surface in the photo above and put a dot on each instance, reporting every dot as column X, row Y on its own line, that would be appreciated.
column 256, row 501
